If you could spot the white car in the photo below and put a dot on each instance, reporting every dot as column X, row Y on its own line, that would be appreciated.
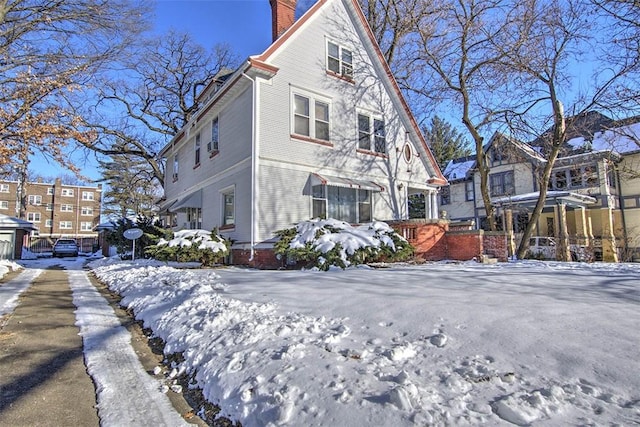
column 65, row 247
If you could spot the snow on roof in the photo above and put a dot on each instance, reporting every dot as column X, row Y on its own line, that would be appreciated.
column 15, row 223
column 457, row 169
column 623, row 139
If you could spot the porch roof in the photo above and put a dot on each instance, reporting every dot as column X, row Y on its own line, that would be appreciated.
column 317, row 179
column 193, row 200
column 529, row 200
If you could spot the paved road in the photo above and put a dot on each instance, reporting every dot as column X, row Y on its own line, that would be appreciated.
column 43, row 377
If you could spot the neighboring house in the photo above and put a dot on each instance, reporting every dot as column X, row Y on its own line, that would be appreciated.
column 313, row 127
column 56, row 210
column 593, row 197
column 14, row 233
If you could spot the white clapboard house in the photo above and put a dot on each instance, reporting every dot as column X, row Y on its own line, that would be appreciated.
column 315, row 126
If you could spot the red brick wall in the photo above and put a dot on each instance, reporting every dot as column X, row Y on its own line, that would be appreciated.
column 434, row 241
column 495, row 245
column 464, row 245
column 263, row 259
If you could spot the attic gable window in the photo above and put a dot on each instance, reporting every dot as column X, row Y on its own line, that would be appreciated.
column 311, row 117
column 339, row 60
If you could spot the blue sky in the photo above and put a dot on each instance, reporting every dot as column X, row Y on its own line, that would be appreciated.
column 244, row 24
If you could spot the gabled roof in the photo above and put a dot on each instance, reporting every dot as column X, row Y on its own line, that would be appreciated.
column 259, row 64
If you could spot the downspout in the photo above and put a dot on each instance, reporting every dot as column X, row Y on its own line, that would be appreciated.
column 254, row 164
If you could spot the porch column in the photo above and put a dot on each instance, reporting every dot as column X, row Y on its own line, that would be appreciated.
column 609, row 252
column 434, row 204
column 511, row 241
column 562, row 249
column 582, row 234
column 427, row 204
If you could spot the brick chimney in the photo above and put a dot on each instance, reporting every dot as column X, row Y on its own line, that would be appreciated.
column 282, row 16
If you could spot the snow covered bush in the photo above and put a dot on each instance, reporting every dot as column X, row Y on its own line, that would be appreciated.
column 324, row 243
column 206, row 247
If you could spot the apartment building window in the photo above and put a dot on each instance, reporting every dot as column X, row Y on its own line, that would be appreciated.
column 212, row 146
column 339, row 60
column 86, row 226
column 502, row 183
column 4, row 204
column 175, row 167
column 48, row 223
column 468, row 191
column 196, row 150
column 33, row 216
column 341, row 203
column 4, row 188
column 229, row 210
column 49, row 206
column 311, row 117
column 87, row 195
column 66, row 208
column 50, row 191
column 67, row 192
column 86, row 211
column 66, row 225
column 371, row 134
column 35, row 200
column 445, row 196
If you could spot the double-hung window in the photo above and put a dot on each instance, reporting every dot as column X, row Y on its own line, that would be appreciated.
column 228, row 208
column 66, row 208
column 371, row 134
column 196, row 149
column 87, row 195
column 212, row 145
column 445, row 195
column 176, row 165
column 87, row 211
column 502, row 183
column 67, row 192
column 66, row 225
column 35, row 200
column 311, row 116
column 345, row 204
column 4, row 188
column 4, row 204
column 468, row 191
column 33, row 216
column 339, row 60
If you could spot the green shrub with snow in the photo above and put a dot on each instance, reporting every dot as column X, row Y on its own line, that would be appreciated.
column 206, row 247
column 323, row 243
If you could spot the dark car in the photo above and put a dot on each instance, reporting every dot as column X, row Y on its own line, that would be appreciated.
column 65, row 247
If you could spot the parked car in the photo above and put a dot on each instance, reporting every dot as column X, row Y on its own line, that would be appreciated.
column 65, row 247
column 544, row 247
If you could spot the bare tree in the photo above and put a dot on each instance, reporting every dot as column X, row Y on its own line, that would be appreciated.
column 557, row 34
column 48, row 49
column 455, row 56
column 142, row 106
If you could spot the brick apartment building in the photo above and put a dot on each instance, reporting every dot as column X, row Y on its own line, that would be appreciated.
column 56, row 210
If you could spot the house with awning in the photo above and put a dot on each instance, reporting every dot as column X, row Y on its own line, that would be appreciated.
column 592, row 200
column 314, row 126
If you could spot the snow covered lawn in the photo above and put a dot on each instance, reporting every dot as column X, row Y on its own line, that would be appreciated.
column 457, row 344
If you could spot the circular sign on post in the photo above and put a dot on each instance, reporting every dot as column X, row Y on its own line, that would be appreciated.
column 132, row 233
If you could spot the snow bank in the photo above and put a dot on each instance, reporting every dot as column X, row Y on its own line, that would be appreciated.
column 8, row 266
column 446, row 344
